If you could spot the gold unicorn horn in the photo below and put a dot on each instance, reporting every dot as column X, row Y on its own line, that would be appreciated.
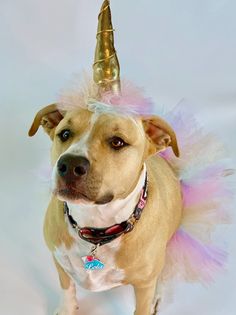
column 106, row 68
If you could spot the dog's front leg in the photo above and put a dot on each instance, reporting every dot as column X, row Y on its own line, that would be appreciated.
column 70, row 304
column 144, row 297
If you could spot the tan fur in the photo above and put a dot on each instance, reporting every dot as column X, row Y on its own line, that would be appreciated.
column 159, row 221
column 55, row 228
column 142, row 252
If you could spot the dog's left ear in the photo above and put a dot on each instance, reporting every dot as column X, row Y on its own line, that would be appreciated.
column 160, row 133
column 48, row 117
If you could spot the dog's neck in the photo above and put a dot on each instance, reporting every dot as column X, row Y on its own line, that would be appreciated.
column 116, row 211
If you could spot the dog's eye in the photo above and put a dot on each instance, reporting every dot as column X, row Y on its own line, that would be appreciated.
column 64, row 135
column 117, row 143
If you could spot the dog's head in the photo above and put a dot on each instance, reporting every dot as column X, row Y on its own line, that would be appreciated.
column 98, row 155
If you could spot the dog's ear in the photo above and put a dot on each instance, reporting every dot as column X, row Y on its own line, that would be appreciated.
column 48, row 117
column 160, row 134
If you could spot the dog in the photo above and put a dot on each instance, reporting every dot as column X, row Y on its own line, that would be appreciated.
column 115, row 203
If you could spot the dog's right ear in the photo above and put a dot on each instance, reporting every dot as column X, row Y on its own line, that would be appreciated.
column 48, row 117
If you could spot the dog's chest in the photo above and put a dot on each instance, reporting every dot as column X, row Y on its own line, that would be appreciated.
column 97, row 216
column 95, row 280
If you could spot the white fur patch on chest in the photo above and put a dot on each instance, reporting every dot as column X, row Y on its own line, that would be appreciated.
column 94, row 280
column 97, row 216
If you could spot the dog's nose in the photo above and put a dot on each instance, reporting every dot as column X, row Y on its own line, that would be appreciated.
column 70, row 165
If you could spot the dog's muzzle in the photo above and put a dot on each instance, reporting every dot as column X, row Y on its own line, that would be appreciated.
column 72, row 167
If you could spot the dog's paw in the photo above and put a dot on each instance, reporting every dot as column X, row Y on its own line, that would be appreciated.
column 155, row 306
column 67, row 311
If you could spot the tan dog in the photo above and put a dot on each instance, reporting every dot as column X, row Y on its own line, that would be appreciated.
column 100, row 158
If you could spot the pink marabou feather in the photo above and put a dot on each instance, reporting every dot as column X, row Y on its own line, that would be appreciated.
column 131, row 98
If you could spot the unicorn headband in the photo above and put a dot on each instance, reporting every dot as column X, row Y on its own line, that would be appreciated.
column 106, row 68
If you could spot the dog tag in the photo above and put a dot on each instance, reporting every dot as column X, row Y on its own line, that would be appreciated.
column 92, row 263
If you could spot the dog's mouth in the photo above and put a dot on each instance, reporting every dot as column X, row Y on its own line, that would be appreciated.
column 70, row 193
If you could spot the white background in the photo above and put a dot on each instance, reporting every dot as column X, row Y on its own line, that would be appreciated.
column 175, row 49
